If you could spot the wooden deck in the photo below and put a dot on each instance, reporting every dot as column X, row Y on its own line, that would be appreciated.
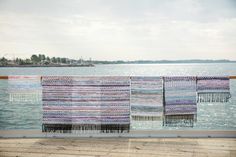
column 118, row 147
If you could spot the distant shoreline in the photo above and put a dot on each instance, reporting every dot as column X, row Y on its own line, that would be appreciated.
column 93, row 65
column 42, row 60
column 30, row 66
column 162, row 61
column 100, row 62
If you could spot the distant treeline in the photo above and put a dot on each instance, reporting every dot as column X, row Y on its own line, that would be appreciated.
column 41, row 59
column 163, row 61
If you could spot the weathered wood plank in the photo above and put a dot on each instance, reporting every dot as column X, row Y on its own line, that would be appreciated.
column 132, row 147
column 15, row 154
column 218, row 144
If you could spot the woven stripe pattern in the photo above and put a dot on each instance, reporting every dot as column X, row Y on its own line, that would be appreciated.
column 86, row 103
column 24, row 89
column 146, row 98
column 213, row 89
column 180, row 95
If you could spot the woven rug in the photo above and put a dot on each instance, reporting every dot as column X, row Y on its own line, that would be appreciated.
column 24, row 89
column 180, row 120
column 213, row 89
column 180, row 95
column 180, row 104
column 146, row 98
column 86, row 104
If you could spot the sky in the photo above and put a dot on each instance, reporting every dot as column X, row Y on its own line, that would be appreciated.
column 119, row 29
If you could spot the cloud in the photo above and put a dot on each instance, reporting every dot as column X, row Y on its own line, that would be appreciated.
column 129, row 30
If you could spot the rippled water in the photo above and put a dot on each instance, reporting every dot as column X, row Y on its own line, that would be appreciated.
column 210, row 116
column 130, row 69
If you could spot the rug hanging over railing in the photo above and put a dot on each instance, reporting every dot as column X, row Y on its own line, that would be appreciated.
column 180, row 104
column 24, row 89
column 213, row 89
column 180, row 120
column 146, row 98
column 86, row 104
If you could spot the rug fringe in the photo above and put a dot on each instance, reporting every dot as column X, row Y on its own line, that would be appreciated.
column 146, row 118
column 25, row 97
column 180, row 120
column 86, row 128
column 214, row 97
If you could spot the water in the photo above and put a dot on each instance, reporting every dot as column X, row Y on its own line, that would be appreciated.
column 129, row 69
column 210, row 116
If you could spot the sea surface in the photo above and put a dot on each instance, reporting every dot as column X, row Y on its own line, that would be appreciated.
column 210, row 116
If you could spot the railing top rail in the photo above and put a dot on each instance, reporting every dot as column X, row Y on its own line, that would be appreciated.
column 3, row 77
column 6, row 77
column 232, row 77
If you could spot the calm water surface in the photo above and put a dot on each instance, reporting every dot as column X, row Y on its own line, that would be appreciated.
column 210, row 116
column 129, row 69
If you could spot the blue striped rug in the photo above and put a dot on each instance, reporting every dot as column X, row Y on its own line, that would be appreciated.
column 180, row 104
column 146, row 98
column 24, row 89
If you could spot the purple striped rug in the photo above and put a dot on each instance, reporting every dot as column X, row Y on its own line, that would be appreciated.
column 180, row 104
column 75, row 104
column 213, row 89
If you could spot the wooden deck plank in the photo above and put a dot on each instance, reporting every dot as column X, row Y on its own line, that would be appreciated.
column 187, row 141
column 209, row 144
column 130, row 147
column 132, row 134
column 145, row 146
column 15, row 154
